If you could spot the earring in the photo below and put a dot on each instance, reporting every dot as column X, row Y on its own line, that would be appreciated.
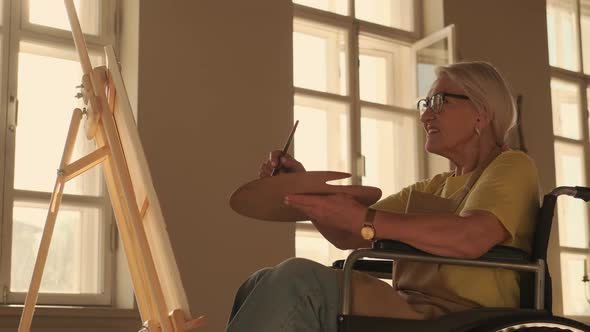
column 477, row 132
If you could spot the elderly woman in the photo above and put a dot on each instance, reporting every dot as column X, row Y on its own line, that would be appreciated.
column 491, row 197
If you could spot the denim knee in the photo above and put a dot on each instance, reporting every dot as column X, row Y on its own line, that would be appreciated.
column 302, row 271
column 246, row 288
column 297, row 265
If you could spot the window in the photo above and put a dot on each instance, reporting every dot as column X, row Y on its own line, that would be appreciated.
column 568, row 27
column 40, row 72
column 358, row 66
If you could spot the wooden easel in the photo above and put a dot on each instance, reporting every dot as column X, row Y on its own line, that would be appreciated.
column 109, row 122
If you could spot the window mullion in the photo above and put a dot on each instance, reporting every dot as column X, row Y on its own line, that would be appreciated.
column 4, row 39
column 322, row 95
column 389, row 108
column 573, row 250
column 61, row 41
column 579, row 35
column 317, row 15
column 8, row 105
column 354, row 92
column 585, row 118
column 568, row 140
column 44, row 197
column 60, row 36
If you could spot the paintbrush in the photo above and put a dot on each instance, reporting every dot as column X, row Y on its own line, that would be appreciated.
column 285, row 148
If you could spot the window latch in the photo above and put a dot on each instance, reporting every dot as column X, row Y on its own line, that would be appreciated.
column 14, row 102
column 114, row 237
column 5, row 295
column 361, row 166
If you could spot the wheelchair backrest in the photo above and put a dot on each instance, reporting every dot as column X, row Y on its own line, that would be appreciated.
column 540, row 246
column 541, row 243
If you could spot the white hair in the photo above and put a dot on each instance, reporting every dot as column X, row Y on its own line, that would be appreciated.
column 488, row 91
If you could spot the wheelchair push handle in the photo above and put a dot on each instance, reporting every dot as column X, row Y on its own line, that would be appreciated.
column 577, row 192
column 583, row 193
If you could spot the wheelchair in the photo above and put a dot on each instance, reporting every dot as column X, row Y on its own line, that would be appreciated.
column 534, row 313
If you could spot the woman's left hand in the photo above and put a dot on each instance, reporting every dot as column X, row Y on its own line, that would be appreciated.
column 340, row 210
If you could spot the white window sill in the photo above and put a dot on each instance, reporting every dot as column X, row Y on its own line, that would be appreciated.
column 50, row 317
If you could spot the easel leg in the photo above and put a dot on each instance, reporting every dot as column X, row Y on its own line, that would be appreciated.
column 181, row 325
column 56, row 196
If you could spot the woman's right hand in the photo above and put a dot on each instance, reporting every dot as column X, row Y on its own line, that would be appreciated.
column 286, row 164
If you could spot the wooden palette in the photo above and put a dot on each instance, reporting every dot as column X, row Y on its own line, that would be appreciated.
column 263, row 198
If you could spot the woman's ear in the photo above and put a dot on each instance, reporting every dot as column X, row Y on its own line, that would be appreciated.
column 483, row 118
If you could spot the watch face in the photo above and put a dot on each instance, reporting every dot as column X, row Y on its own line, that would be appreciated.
column 368, row 232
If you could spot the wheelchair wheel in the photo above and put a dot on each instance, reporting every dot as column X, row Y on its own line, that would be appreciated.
column 547, row 324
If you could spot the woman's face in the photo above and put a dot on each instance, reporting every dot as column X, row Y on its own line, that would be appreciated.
column 449, row 131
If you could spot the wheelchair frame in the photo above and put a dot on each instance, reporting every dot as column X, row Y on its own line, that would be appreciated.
column 498, row 257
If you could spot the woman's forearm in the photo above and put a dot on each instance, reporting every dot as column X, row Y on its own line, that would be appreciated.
column 444, row 235
column 342, row 239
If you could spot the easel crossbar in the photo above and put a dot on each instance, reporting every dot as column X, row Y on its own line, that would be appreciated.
column 85, row 163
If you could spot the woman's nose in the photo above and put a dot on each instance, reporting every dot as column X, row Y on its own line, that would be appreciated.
column 427, row 115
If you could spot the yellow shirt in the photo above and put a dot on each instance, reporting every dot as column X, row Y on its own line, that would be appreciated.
column 509, row 189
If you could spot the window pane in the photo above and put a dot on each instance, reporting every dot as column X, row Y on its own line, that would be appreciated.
column 392, row 13
column 585, row 26
column 562, row 35
column 52, row 13
column 320, row 56
column 334, row 6
column 574, row 290
column 565, row 102
column 374, row 75
column 572, row 213
column 74, row 264
column 46, row 103
column 428, row 58
column 382, row 71
column 388, row 165
column 312, row 245
column 322, row 137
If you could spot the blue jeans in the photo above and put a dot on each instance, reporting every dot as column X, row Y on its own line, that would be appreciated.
column 296, row 295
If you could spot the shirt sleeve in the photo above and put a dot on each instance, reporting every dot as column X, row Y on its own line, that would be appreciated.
column 397, row 202
column 509, row 189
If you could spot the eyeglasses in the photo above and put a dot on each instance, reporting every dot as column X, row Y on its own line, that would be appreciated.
column 435, row 102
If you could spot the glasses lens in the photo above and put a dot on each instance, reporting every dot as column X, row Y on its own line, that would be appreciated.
column 437, row 103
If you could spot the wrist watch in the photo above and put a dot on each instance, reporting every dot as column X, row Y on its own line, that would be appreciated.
column 368, row 230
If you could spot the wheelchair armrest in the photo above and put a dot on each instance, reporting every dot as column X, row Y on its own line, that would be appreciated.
column 496, row 254
column 368, row 265
column 384, row 267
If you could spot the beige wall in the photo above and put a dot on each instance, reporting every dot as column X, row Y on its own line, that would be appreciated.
column 54, row 319
column 214, row 97
column 513, row 36
column 432, row 12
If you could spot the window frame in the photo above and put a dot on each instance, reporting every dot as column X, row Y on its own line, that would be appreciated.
column 582, row 81
column 16, row 29
column 356, row 29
